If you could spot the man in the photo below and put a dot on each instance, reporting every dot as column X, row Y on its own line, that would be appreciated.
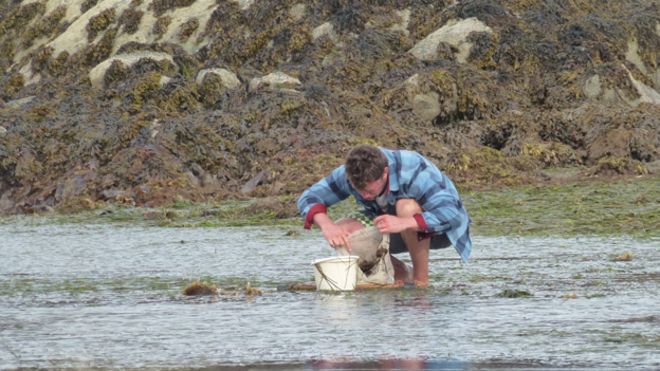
column 407, row 196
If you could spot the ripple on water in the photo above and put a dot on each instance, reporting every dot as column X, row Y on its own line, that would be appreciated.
column 111, row 296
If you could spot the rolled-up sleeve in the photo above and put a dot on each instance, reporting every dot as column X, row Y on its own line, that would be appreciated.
column 325, row 193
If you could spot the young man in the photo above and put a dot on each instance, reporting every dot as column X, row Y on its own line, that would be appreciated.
column 405, row 194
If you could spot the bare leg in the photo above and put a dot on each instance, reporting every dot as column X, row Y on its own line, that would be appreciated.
column 402, row 271
column 419, row 250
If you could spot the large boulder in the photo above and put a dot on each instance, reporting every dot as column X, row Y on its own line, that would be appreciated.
column 454, row 33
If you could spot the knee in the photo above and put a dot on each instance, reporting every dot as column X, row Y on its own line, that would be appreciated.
column 407, row 207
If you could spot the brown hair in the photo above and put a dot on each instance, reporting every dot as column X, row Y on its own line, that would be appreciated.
column 364, row 164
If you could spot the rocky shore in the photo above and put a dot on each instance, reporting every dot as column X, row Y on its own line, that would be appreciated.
column 148, row 102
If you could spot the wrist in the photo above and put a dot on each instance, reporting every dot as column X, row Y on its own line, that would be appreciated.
column 322, row 220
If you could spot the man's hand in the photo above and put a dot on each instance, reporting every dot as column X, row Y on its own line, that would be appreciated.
column 336, row 235
column 394, row 224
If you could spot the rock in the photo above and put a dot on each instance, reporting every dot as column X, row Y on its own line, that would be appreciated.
column 164, row 80
column 653, row 167
column 228, row 78
column 115, row 194
column 244, row 4
column 70, row 187
column 19, row 103
column 275, row 80
column 6, row 203
column 97, row 73
column 427, row 106
column 592, row 87
column 326, row 29
column 646, row 93
column 632, row 56
column 454, row 33
column 254, row 182
column 193, row 179
column 402, row 27
column 297, row 12
column 3, row 131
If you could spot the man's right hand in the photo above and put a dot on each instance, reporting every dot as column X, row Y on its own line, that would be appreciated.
column 336, row 235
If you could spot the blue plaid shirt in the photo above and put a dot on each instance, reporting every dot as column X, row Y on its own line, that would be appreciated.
column 410, row 176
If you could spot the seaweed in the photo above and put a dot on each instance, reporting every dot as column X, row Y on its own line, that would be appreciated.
column 197, row 288
column 99, row 23
column 160, row 26
column 187, row 29
column 130, row 20
column 45, row 27
column 161, row 6
column 87, row 5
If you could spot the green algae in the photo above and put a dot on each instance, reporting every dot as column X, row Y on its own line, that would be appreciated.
column 627, row 206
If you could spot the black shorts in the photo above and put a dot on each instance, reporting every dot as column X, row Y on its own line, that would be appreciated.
column 397, row 246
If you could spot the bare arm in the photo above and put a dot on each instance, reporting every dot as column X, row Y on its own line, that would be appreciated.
column 334, row 234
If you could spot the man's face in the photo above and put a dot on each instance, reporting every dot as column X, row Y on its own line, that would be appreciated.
column 375, row 188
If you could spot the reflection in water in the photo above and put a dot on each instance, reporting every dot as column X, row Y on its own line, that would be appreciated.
column 98, row 296
column 411, row 364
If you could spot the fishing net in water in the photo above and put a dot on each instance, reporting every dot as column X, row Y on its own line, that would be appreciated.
column 375, row 262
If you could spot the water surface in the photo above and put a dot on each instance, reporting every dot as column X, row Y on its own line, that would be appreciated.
column 110, row 296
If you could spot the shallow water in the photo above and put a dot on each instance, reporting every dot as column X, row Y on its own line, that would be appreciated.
column 110, row 296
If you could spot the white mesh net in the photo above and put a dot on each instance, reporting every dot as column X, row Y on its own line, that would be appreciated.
column 375, row 262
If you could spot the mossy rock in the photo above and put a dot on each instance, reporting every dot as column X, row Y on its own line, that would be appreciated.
column 161, row 6
column 87, row 5
column 99, row 23
column 115, row 73
column 96, row 53
column 161, row 25
column 187, row 29
column 45, row 27
column 12, row 85
column 130, row 20
column 20, row 17
column 618, row 166
column 145, row 90
column 183, row 98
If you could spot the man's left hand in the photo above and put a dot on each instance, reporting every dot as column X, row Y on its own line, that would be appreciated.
column 394, row 224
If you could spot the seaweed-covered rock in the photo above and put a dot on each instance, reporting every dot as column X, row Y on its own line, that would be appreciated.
column 146, row 102
column 227, row 78
column 98, row 73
